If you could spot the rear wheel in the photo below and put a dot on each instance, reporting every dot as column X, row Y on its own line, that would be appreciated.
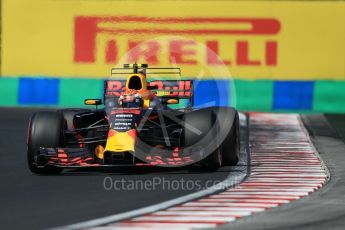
column 45, row 130
column 200, row 132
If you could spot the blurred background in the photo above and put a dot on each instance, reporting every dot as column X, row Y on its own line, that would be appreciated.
column 282, row 55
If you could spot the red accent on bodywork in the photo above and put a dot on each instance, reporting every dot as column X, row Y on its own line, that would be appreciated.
column 111, row 133
column 175, row 153
column 120, row 111
column 132, row 133
column 62, row 157
column 174, row 160
column 63, row 160
column 152, row 117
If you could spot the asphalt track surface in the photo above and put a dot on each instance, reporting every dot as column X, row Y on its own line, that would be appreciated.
column 34, row 202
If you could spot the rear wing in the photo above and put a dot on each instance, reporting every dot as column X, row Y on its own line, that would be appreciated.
column 143, row 68
column 183, row 89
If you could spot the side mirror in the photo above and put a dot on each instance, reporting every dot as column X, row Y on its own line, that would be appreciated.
column 152, row 87
column 173, row 101
column 93, row 102
column 170, row 100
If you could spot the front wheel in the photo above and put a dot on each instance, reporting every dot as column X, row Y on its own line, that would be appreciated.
column 229, row 133
column 45, row 130
column 201, row 132
column 211, row 163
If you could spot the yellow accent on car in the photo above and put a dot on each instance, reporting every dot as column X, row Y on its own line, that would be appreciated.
column 120, row 142
column 162, row 93
column 90, row 102
column 172, row 101
column 99, row 151
column 137, row 65
column 142, row 79
column 146, row 103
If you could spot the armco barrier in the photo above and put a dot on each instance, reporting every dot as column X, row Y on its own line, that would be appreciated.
column 246, row 95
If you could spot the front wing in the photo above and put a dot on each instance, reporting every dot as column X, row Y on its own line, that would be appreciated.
column 83, row 157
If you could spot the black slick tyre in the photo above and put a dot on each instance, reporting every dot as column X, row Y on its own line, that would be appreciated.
column 200, row 132
column 45, row 130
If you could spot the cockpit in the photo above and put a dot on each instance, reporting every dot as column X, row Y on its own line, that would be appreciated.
column 134, row 83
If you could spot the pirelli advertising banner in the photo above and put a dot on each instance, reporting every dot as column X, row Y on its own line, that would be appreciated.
column 255, row 40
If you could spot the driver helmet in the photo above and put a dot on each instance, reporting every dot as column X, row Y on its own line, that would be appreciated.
column 131, row 99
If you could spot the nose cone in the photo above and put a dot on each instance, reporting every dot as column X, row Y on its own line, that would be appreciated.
column 121, row 141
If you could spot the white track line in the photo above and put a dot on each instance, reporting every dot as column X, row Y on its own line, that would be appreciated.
column 180, row 219
column 200, row 213
column 233, row 209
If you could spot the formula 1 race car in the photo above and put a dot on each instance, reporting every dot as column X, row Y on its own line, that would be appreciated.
column 141, row 122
